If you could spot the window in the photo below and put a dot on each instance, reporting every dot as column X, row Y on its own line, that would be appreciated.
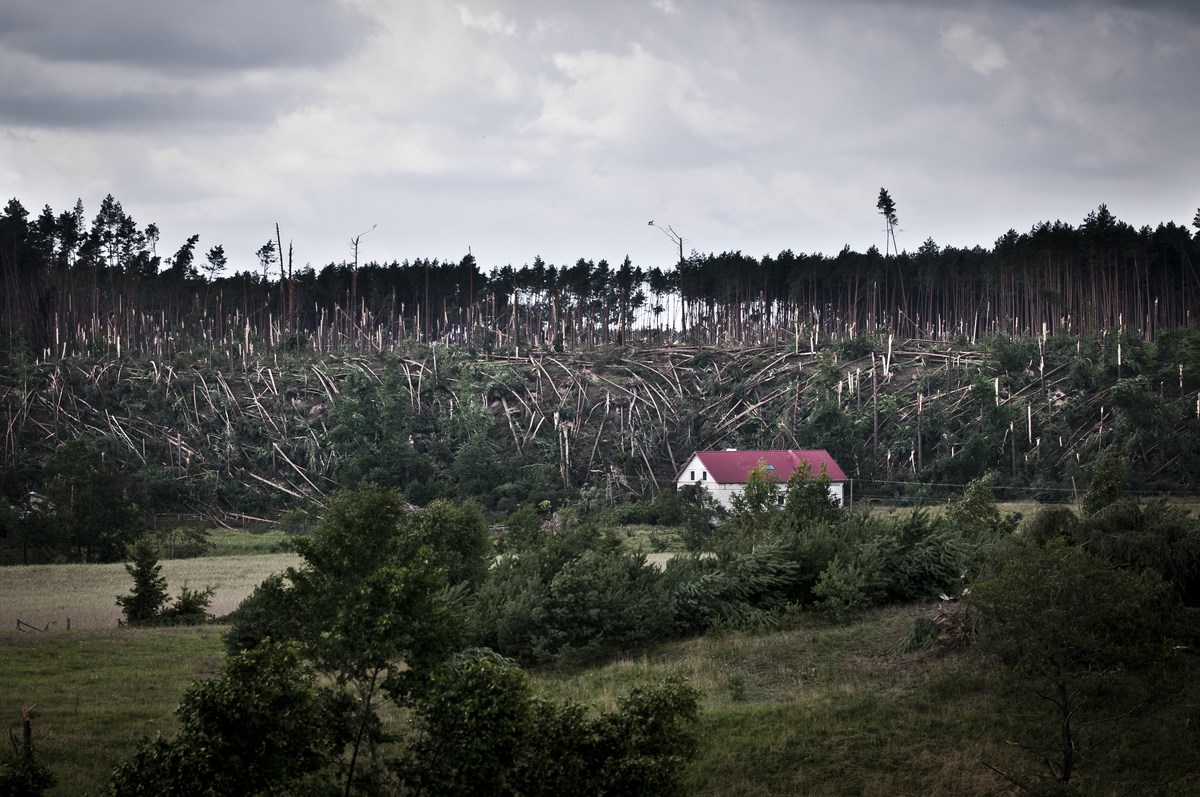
column 703, row 475
column 692, row 475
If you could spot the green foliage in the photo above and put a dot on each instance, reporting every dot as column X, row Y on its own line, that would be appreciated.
column 701, row 516
column 267, row 613
column 807, row 500
column 906, row 558
column 573, row 596
column 372, row 433
column 1158, row 537
column 1109, row 484
column 752, row 513
column 455, row 533
column 371, row 607
column 975, row 513
column 1086, row 641
column 190, row 608
column 522, row 528
column 1050, row 523
column 149, row 594
column 184, row 541
column 261, row 726
column 739, row 591
column 88, row 504
column 922, row 636
column 23, row 774
column 148, row 602
column 481, row 732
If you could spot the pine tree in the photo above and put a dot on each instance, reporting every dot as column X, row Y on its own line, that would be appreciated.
column 149, row 594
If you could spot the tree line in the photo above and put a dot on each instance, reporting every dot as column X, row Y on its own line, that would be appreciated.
column 71, row 285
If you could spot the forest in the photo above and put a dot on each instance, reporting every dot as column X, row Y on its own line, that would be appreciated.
column 461, row 460
column 243, row 394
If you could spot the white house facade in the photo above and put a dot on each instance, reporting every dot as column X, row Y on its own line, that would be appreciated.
column 725, row 473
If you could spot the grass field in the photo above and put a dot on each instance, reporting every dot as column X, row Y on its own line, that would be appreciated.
column 84, row 596
column 808, row 710
column 97, row 693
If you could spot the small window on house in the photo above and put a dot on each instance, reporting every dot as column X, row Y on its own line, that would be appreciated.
column 692, row 475
column 770, row 467
column 703, row 475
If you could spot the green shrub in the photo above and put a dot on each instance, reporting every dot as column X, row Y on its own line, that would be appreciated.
column 149, row 594
column 574, row 596
column 479, row 731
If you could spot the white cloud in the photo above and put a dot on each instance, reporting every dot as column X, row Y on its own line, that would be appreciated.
column 981, row 53
column 492, row 22
column 668, row 7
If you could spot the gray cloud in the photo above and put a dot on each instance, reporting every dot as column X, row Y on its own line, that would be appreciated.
column 178, row 36
column 533, row 126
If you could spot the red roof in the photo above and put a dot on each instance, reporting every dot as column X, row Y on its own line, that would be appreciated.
column 733, row 467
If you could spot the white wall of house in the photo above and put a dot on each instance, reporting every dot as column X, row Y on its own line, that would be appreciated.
column 695, row 473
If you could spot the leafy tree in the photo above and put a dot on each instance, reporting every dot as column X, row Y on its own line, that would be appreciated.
column 975, row 513
column 372, row 611
column 807, row 500
column 574, row 596
column 752, row 513
column 480, row 731
column 262, row 726
column 1160, row 537
column 88, row 503
column 701, row 517
column 1110, row 483
column 149, row 594
column 1086, row 642
column 1049, row 523
column 455, row 533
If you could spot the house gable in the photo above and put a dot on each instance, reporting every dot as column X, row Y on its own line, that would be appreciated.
column 725, row 473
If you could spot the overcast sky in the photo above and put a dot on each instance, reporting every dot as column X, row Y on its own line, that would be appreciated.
column 554, row 128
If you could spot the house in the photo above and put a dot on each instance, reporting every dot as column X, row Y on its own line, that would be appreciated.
column 725, row 473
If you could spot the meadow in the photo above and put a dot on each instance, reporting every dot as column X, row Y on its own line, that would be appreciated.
column 808, row 707
column 76, row 596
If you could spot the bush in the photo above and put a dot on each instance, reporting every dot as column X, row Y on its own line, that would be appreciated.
column 480, row 731
column 262, row 725
column 576, row 596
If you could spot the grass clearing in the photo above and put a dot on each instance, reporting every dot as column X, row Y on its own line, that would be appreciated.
column 829, row 710
column 234, row 542
column 98, row 693
column 84, row 596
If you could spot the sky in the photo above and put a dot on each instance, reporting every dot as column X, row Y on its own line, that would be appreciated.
column 559, row 128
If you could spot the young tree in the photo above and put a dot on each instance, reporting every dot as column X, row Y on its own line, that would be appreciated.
column 149, row 594
column 753, row 512
column 371, row 611
column 1086, row 642
column 1109, row 485
column 261, row 726
column 807, row 499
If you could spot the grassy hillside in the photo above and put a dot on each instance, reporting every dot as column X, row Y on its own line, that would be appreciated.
column 810, row 710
